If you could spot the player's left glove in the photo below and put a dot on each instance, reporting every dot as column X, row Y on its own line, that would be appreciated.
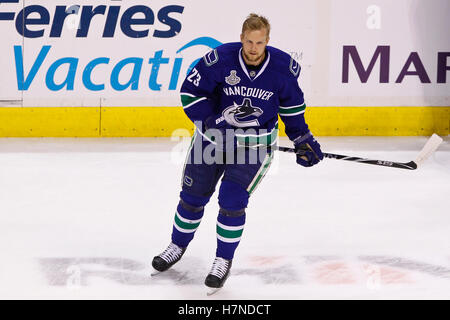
column 309, row 149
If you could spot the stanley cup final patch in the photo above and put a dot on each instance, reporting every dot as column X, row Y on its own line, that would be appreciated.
column 232, row 79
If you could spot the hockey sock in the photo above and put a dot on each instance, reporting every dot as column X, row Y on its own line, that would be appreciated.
column 230, row 226
column 187, row 219
column 233, row 199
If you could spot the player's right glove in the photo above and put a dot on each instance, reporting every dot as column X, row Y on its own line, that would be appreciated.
column 221, row 133
column 307, row 150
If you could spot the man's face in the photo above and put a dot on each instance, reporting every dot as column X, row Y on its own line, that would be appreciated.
column 253, row 45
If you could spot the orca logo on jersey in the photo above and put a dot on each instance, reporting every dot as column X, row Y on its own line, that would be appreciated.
column 235, row 114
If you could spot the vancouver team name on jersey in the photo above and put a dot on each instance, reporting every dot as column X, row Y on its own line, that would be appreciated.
column 224, row 89
column 248, row 92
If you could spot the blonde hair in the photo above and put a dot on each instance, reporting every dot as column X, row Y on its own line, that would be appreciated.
column 255, row 22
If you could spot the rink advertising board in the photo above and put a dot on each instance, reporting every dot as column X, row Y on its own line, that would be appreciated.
column 114, row 68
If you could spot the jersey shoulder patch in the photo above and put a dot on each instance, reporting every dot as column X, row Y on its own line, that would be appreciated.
column 294, row 67
column 211, row 57
column 225, row 53
column 285, row 63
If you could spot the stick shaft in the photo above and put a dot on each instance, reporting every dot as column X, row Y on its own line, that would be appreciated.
column 409, row 165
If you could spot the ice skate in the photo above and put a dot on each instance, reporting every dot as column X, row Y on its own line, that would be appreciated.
column 218, row 275
column 167, row 258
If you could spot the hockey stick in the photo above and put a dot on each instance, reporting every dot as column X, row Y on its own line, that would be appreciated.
column 431, row 145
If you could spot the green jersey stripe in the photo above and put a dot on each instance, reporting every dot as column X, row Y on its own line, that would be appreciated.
column 188, row 101
column 229, row 234
column 184, row 230
column 292, row 114
column 230, row 228
column 265, row 139
column 185, row 225
column 228, row 240
column 187, row 156
column 187, row 220
column 287, row 111
column 260, row 174
column 291, row 107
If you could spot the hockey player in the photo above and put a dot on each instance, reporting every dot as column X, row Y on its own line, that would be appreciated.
column 234, row 96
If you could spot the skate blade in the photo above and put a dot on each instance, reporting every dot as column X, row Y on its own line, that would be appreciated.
column 212, row 291
column 155, row 273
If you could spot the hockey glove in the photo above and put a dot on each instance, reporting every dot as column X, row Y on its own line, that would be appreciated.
column 220, row 132
column 307, row 150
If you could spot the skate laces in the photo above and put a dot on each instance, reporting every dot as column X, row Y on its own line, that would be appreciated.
column 172, row 253
column 219, row 267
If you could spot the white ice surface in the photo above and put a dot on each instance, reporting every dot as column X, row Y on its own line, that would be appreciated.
column 82, row 219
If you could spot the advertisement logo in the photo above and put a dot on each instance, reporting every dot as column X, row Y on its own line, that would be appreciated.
column 69, row 73
column 113, row 17
column 413, row 65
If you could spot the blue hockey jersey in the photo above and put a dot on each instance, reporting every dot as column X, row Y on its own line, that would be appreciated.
column 222, row 85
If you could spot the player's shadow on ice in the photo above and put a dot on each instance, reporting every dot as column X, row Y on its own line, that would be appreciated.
column 78, row 272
